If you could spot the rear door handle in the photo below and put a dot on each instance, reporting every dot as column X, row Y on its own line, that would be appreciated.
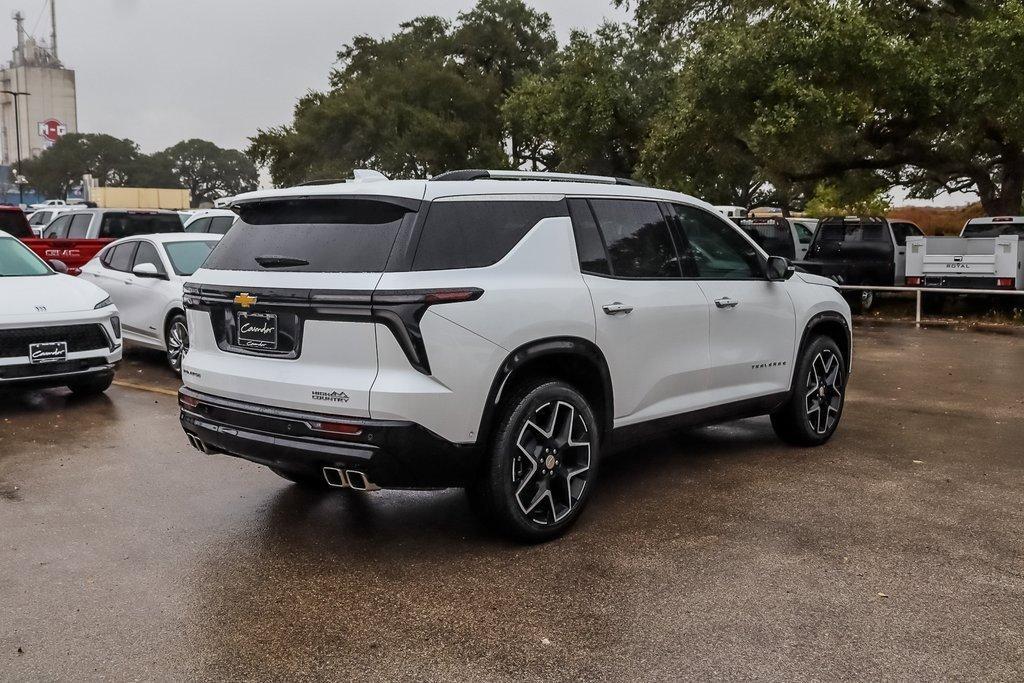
column 726, row 302
column 617, row 308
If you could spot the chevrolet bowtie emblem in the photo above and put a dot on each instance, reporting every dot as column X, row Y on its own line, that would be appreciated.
column 244, row 300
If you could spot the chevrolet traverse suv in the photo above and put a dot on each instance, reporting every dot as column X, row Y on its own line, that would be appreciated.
column 494, row 330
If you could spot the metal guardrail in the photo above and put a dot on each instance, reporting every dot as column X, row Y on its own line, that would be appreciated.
column 930, row 290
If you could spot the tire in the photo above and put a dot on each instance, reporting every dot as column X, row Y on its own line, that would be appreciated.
column 177, row 341
column 542, row 463
column 819, row 384
column 93, row 386
column 304, row 479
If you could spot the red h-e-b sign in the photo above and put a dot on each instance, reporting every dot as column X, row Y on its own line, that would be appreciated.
column 51, row 130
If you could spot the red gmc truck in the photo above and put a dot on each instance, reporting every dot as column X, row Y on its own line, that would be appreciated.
column 75, row 237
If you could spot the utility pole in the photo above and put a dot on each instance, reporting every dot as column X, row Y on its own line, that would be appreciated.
column 17, row 136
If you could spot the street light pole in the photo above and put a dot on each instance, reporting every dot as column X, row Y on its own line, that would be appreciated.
column 17, row 136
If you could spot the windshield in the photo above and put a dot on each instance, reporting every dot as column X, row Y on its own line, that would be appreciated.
column 17, row 260
column 993, row 229
column 329, row 235
column 187, row 257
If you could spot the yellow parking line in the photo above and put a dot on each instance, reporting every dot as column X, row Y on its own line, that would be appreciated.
column 145, row 387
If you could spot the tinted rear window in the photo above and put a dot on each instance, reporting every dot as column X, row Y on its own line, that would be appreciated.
column 853, row 232
column 772, row 235
column 637, row 235
column 993, row 229
column 330, row 235
column 476, row 233
column 118, row 225
column 15, row 223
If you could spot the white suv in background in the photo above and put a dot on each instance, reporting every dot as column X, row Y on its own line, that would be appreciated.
column 495, row 330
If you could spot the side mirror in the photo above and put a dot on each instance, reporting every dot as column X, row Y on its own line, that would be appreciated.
column 779, row 268
column 146, row 270
column 58, row 266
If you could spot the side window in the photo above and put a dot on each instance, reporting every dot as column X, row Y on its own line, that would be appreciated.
column 638, row 239
column 147, row 254
column 199, row 225
column 221, row 224
column 58, row 229
column 589, row 245
column 719, row 251
column 122, row 255
column 476, row 233
column 40, row 218
column 803, row 233
column 79, row 226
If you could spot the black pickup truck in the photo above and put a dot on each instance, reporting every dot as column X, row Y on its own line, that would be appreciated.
column 860, row 250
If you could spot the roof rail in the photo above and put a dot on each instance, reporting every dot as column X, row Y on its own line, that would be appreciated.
column 477, row 174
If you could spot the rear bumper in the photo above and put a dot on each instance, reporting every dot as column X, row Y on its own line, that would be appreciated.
column 391, row 454
column 961, row 282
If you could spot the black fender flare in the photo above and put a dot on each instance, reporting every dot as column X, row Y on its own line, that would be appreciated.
column 830, row 317
column 539, row 348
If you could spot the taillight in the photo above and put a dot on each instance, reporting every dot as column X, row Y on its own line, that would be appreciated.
column 451, row 296
column 341, row 428
column 913, row 282
column 1004, row 282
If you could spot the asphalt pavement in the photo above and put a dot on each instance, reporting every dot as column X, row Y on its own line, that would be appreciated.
column 895, row 552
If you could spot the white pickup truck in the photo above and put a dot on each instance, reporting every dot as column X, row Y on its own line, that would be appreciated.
column 986, row 255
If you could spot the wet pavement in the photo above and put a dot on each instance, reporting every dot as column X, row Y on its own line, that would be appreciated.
column 895, row 552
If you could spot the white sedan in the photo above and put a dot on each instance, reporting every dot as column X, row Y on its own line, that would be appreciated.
column 144, row 276
column 55, row 330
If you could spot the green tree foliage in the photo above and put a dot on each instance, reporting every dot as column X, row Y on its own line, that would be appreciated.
column 206, row 170
column 925, row 93
column 420, row 102
column 589, row 112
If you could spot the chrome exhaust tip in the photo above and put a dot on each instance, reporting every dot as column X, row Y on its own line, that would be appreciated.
column 199, row 445
column 358, row 481
column 335, row 478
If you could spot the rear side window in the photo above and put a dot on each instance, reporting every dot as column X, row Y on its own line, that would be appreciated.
column 221, row 224
column 328, row 235
column 803, row 233
column 121, row 256
column 638, row 239
column 476, row 233
column 118, row 225
column 199, row 225
column 15, row 223
column 79, row 226
column 589, row 245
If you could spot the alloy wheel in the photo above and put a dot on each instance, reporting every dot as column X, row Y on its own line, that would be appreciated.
column 824, row 395
column 177, row 344
column 550, row 467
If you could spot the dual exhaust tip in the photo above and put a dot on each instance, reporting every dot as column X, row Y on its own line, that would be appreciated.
column 348, row 479
column 334, row 476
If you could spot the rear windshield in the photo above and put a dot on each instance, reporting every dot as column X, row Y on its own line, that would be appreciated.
column 15, row 223
column 16, row 260
column 118, row 225
column 852, row 232
column 186, row 257
column 993, row 229
column 330, row 235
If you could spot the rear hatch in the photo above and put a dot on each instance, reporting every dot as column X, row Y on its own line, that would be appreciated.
column 280, row 313
column 773, row 235
column 957, row 256
column 857, row 251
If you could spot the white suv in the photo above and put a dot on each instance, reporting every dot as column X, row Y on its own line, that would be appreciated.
column 494, row 330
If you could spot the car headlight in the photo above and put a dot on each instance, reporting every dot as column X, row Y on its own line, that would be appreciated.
column 103, row 304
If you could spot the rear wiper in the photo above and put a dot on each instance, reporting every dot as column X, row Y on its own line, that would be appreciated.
column 280, row 261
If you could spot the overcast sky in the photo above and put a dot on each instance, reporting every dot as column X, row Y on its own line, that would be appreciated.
column 160, row 71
